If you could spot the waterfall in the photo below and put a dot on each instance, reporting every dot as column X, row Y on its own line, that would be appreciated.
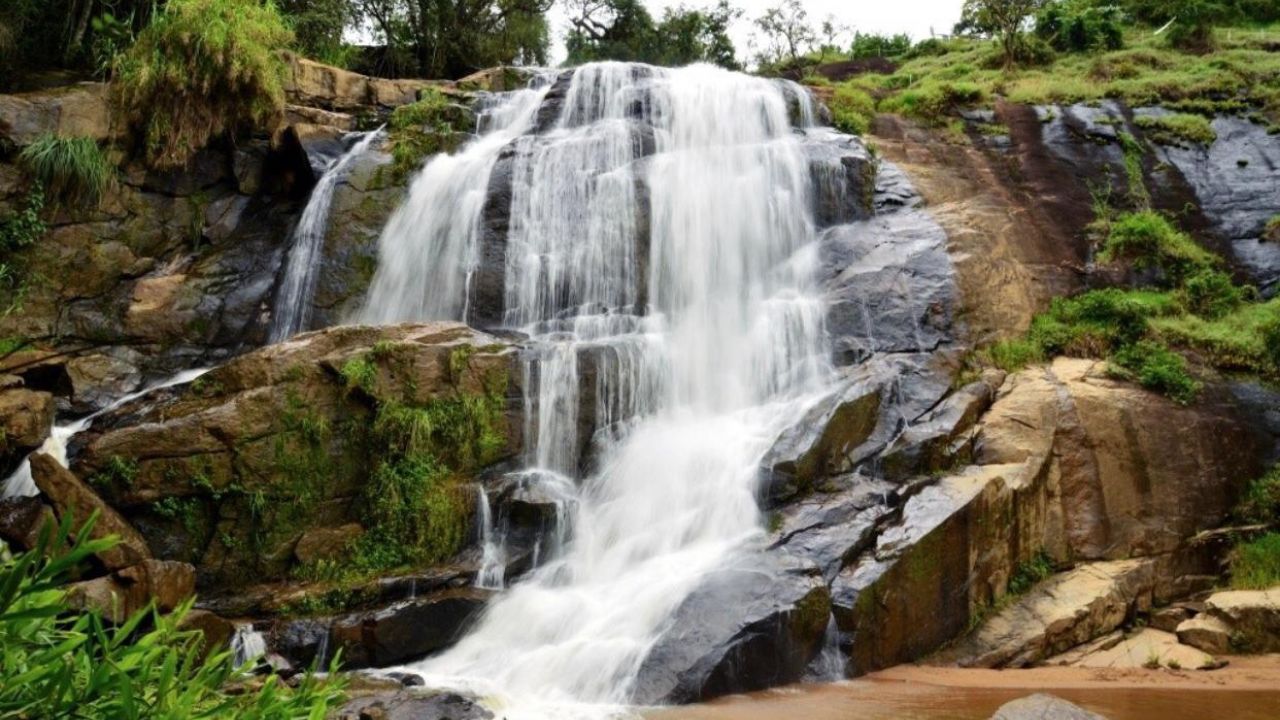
column 661, row 240
column 492, row 545
column 21, row 484
column 292, row 308
column 247, row 645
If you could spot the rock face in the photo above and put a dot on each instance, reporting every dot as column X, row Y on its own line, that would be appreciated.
column 230, row 472
column 911, row 562
column 407, row 630
column 123, row 593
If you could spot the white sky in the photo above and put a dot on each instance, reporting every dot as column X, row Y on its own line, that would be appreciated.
column 917, row 18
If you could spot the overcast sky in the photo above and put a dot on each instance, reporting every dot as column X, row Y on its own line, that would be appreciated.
column 918, row 18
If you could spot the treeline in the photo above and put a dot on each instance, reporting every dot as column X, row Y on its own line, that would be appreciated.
column 1027, row 31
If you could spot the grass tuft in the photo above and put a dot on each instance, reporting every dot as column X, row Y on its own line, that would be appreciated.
column 72, row 169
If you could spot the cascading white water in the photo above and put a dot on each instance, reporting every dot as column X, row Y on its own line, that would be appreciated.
column 292, row 308
column 442, row 216
column 21, row 484
column 702, row 327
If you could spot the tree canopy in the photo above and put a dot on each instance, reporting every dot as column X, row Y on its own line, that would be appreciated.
column 625, row 30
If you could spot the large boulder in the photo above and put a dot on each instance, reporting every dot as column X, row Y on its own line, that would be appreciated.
column 1252, row 615
column 26, row 417
column 231, row 471
column 1043, row 707
column 754, row 624
column 406, row 630
column 81, row 109
column 73, row 498
column 125, row 592
column 1065, row 611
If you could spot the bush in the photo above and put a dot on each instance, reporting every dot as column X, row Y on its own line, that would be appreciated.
column 59, row 663
column 1148, row 239
column 1271, row 231
column 73, row 169
column 934, row 101
column 1256, row 565
column 852, row 109
column 1247, row 338
column 1261, row 502
column 1157, row 368
column 426, row 127
column 1211, row 294
column 200, row 69
column 1080, row 27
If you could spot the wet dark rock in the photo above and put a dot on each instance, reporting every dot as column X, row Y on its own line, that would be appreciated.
column 940, row 439
column 363, row 202
column 406, row 630
column 753, row 624
column 889, row 283
column 833, row 529
column 414, row 705
column 850, row 426
column 844, row 177
column 553, row 103
column 488, row 283
column 1234, row 180
column 21, row 519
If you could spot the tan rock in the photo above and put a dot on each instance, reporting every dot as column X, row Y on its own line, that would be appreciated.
column 80, row 109
column 1062, row 612
column 299, row 114
column 394, row 93
column 1253, row 616
column 1169, row 618
column 123, row 593
column 1150, row 649
column 159, row 309
column 71, row 496
column 1206, row 633
column 217, row 631
column 315, row 84
column 25, row 419
column 326, row 543
column 21, row 519
column 1043, row 707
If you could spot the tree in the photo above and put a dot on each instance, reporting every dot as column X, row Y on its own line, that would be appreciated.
column 1003, row 19
column 830, row 32
column 624, row 30
column 786, row 31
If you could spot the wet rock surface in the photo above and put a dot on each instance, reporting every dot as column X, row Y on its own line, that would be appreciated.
column 780, row 609
column 414, row 705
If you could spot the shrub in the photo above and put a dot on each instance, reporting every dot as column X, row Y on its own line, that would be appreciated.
column 1211, row 294
column 1148, row 239
column 1177, row 129
column 429, row 126
column 1247, row 338
column 1261, row 502
column 852, row 109
column 1271, row 232
column 1080, row 27
column 202, row 68
column 1097, row 322
column 1256, row 565
column 61, row 663
column 73, row 169
column 933, row 101
column 1157, row 368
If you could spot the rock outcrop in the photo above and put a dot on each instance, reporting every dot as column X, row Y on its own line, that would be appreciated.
column 232, row 471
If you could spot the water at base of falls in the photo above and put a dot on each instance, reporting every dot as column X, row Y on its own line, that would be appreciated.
column 661, row 245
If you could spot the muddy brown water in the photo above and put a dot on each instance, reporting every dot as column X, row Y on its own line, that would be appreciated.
column 1251, row 693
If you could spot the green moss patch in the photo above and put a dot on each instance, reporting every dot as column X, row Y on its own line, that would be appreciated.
column 1178, row 129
